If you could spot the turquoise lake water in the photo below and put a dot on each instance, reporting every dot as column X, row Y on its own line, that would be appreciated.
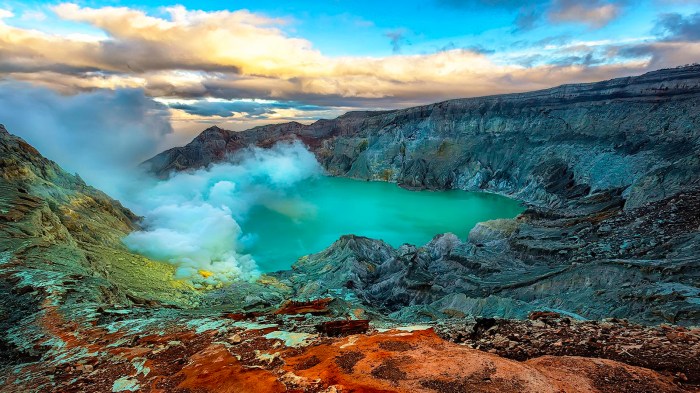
column 319, row 211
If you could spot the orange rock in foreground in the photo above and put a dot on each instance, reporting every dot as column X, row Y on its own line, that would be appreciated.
column 400, row 361
column 422, row 362
column 265, row 359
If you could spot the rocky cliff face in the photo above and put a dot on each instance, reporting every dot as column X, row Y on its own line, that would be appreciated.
column 60, row 248
column 639, row 135
column 609, row 171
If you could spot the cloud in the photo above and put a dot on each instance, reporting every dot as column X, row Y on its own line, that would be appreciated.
column 33, row 15
column 397, row 38
column 195, row 53
column 239, row 41
column 245, row 108
column 676, row 27
column 594, row 13
column 527, row 18
column 662, row 54
column 469, row 4
column 477, row 48
column 239, row 55
column 529, row 12
column 95, row 134
column 678, row 43
column 192, row 219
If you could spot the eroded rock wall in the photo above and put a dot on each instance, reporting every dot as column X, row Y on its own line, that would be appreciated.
column 637, row 134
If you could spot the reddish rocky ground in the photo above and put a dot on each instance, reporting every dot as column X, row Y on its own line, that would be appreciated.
column 673, row 350
column 228, row 355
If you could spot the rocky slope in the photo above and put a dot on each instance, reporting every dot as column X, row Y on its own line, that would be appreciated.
column 60, row 249
column 609, row 172
column 80, row 313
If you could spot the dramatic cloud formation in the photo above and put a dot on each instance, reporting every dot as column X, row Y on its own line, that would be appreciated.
column 192, row 219
column 241, row 69
column 244, row 55
column 237, row 51
column 594, row 13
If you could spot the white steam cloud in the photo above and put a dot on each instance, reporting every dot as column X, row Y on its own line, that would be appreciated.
column 191, row 219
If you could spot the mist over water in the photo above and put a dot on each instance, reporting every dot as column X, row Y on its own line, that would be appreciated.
column 257, row 213
column 192, row 219
column 266, row 208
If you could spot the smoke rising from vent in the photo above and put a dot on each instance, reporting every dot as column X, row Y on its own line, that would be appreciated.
column 191, row 219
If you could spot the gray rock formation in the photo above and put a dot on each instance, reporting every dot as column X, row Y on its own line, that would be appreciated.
column 609, row 170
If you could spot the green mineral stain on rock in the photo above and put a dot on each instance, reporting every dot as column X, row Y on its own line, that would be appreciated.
column 317, row 212
column 140, row 366
column 290, row 339
column 5, row 257
column 253, row 325
column 126, row 384
column 205, row 324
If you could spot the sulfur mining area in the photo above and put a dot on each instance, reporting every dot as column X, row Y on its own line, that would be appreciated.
column 581, row 275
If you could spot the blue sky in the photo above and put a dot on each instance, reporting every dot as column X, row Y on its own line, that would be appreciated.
column 363, row 27
column 244, row 63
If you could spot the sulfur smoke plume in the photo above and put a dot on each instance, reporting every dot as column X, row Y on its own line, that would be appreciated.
column 192, row 219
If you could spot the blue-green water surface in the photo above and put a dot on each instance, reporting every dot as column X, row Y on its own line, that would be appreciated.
column 318, row 211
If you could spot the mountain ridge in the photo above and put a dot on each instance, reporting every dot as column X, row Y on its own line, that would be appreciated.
column 662, row 75
column 633, row 124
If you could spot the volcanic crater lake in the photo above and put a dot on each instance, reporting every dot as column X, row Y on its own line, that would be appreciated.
column 318, row 211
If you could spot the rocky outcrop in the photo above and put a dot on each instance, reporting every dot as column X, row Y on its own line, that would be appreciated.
column 673, row 350
column 227, row 356
column 608, row 264
column 215, row 144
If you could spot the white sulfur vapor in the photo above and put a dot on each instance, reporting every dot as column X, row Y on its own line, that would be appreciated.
column 191, row 219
